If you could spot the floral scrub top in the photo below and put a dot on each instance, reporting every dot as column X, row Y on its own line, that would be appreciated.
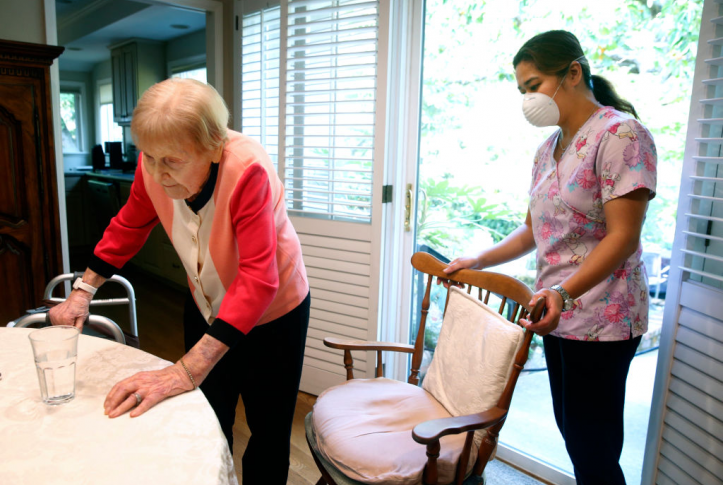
column 611, row 155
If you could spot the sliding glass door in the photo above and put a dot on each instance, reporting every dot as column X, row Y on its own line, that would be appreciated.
column 475, row 159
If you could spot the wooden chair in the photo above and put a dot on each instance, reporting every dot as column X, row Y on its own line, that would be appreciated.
column 514, row 305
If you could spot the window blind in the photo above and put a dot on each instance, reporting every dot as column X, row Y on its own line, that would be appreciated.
column 330, row 99
column 105, row 93
column 260, row 53
column 703, row 247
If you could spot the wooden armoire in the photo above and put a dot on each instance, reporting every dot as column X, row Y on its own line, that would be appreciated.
column 30, row 252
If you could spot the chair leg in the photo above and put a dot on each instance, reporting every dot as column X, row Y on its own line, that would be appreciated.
column 325, row 478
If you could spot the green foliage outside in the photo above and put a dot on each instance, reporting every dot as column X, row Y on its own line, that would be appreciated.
column 476, row 148
column 69, row 121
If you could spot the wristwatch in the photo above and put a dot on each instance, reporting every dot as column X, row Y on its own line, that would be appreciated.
column 79, row 285
column 567, row 302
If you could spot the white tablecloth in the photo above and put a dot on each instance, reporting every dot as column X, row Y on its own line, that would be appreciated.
column 179, row 441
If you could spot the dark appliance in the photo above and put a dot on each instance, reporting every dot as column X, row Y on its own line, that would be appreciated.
column 129, row 166
column 98, row 158
column 115, row 150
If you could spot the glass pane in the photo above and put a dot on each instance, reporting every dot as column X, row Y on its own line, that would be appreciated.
column 197, row 74
column 70, row 121
column 476, row 152
column 109, row 130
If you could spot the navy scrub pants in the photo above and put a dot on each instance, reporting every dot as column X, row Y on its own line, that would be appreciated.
column 587, row 380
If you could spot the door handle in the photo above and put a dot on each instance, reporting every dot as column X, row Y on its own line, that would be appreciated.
column 423, row 206
column 409, row 197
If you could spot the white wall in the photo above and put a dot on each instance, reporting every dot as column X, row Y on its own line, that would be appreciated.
column 188, row 46
column 102, row 70
column 23, row 21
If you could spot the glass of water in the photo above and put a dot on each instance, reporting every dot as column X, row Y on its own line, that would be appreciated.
column 55, row 350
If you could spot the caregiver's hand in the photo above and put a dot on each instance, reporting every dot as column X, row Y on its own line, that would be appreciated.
column 73, row 311
column 464, row 262
column 553, row 306
column 150, row 387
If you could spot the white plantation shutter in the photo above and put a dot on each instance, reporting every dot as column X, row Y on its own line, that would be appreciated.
column 260, row 51
column 685, row 436
column 331, row 138
column 331, row 79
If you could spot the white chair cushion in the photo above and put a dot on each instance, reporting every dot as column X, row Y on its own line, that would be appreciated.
column 364, row 428
column 473, row 358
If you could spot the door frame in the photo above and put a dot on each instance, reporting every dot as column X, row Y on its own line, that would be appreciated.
column 51, row 38
column 403, row 114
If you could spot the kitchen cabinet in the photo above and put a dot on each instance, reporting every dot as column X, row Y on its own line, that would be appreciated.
column 136, row 65
column 90, row 202
column 76, row 211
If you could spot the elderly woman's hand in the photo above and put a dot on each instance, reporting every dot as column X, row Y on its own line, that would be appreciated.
column 553, row 307
column 149, row 387
column 73, row 311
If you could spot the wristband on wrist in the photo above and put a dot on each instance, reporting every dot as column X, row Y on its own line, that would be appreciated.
column 80, row 285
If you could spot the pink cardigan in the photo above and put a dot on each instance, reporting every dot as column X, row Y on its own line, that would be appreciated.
column 241, row 254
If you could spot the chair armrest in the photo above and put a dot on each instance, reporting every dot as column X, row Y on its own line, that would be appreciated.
column 431, row 431
column 341, row 344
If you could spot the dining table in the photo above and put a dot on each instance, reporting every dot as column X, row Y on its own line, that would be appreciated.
column 178, row 441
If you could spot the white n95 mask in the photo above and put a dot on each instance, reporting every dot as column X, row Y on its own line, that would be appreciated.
column 540, row 109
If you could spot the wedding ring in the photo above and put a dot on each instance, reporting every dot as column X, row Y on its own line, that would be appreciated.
column 138, row 398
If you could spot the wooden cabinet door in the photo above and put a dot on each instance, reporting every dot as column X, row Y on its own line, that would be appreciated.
column 118, row 91
column 28, row 198
column 130, row 80
column 75, row 211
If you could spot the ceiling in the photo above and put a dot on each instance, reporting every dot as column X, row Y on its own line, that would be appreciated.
column 87, row 27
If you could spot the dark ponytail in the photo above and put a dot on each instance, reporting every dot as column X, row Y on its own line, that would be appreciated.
column 553, row 52
column 604, row 92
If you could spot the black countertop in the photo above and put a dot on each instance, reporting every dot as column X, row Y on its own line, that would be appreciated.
column 104, row 174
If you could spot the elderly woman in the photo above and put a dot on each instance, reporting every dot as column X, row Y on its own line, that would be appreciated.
column 219, row 199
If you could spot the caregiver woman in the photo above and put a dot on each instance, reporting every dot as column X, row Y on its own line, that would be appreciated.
column 217, row 195
column 591, row 183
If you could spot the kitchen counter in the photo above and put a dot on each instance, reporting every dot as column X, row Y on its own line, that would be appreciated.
column 104, row 174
